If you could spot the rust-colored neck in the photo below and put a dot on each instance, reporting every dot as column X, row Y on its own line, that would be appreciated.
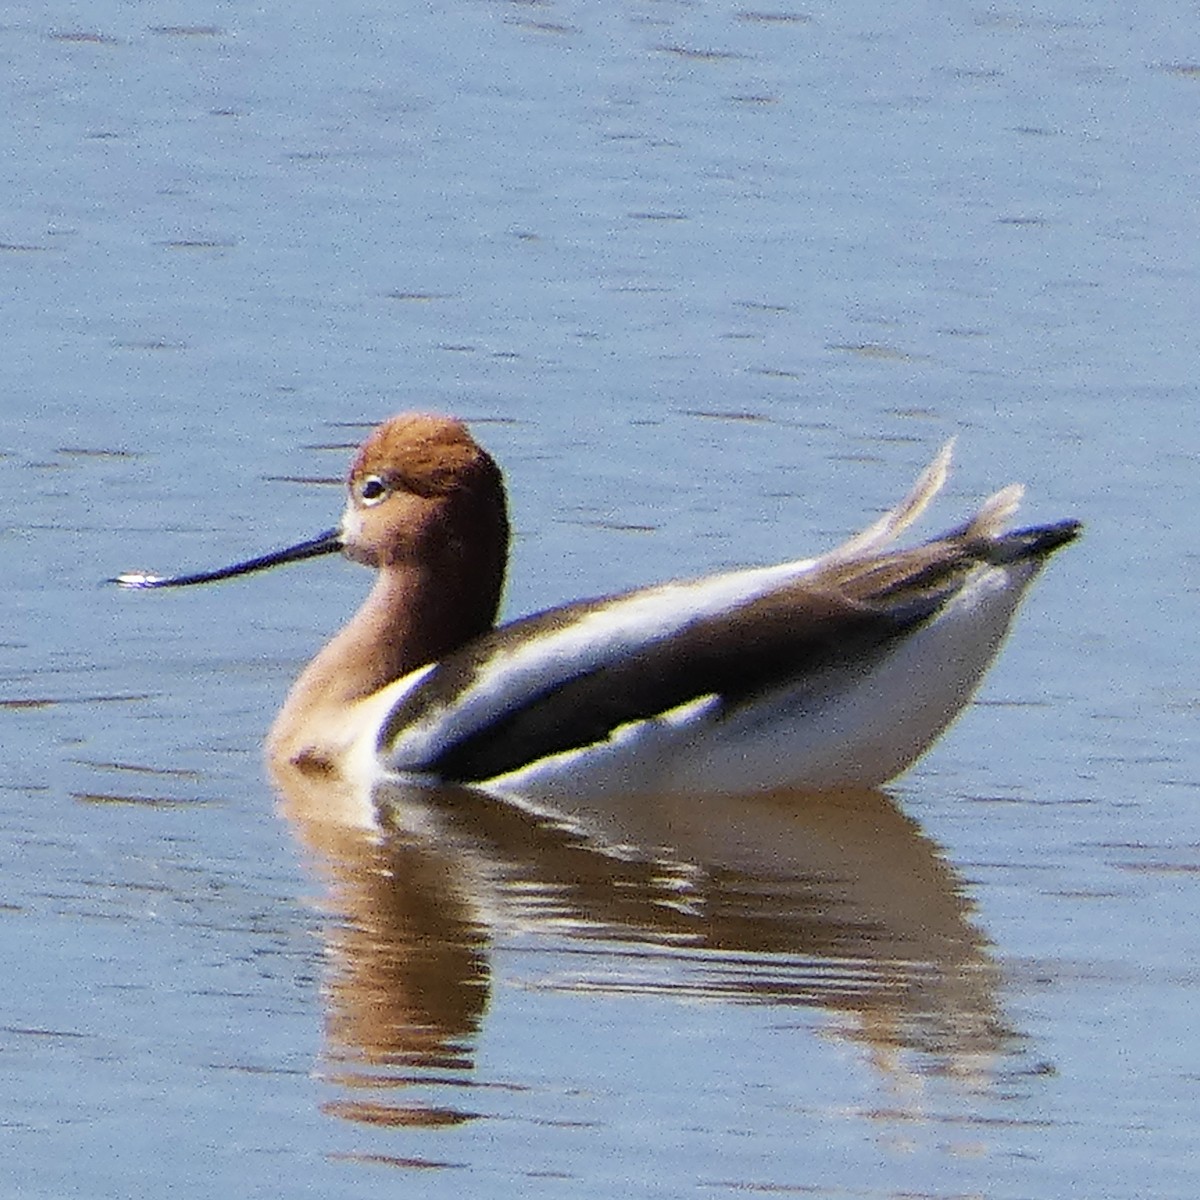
column 409, row 619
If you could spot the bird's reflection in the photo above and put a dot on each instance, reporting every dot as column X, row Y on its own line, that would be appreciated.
column 834, row 900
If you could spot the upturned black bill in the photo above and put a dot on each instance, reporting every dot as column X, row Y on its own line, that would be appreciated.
column 329, row 542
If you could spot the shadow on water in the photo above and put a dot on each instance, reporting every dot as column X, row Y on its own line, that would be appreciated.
column 836, row 901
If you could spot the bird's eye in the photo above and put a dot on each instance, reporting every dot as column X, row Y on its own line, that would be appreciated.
column 372, row 490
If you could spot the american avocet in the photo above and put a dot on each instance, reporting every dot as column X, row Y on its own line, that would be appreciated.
column 837, row 670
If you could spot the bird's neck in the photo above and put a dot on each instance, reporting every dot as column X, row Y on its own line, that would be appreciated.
column 415, row 614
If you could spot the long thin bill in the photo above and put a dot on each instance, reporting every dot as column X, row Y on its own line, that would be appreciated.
column 329, row 542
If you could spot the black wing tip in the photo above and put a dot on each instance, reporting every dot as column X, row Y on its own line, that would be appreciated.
column 1036, row 541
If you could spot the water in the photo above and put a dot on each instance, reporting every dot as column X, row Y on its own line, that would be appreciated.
column 712, row 283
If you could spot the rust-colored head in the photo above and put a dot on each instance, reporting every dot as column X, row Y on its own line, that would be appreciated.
column 423, row 493
column 424, row 454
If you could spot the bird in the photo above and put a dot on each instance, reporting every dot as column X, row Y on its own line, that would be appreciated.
column 827, row 672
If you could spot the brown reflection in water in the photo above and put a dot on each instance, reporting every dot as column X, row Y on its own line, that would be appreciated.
column 407, row 982
column 833, row 900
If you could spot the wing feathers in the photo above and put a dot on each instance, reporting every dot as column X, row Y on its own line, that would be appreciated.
column 894, row 522
column 997, row 510
column 736, row 656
